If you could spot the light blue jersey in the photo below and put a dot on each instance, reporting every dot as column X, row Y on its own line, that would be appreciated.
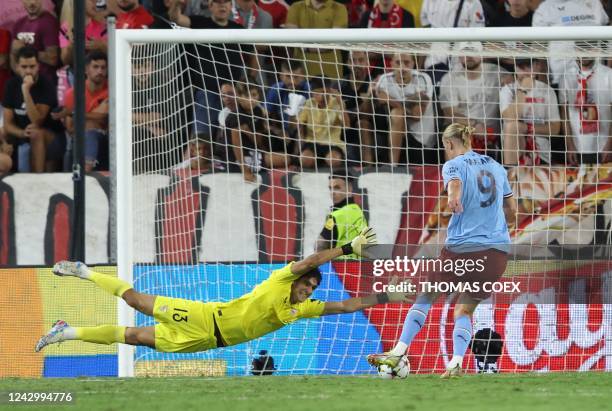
column 484, row 185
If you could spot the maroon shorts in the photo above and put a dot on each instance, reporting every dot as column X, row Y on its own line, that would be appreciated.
column 472, row 270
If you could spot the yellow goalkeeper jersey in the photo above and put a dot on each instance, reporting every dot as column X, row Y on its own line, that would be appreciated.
column 265, row 309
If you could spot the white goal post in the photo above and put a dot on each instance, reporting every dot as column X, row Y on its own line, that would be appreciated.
column 121, row 124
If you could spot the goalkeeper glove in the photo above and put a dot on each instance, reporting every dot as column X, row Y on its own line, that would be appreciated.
column 401, row 296
column 365, row 238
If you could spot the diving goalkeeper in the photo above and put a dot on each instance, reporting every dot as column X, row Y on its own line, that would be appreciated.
column 185, row 326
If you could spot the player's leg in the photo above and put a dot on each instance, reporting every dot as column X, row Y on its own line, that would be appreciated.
column 112, row 285
column 102, row 334
column 397, row 133
column 140, row 336
column 496, row 262
column 115, row 286
column 414, row 321
column 462, row 334
column 141, row 302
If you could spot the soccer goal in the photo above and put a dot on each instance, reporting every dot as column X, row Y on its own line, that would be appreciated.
column 225, row 142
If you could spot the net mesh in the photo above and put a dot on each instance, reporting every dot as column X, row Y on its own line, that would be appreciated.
column 233, row 146
column 40, row 299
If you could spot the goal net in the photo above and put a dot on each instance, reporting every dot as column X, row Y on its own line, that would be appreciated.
column 234, row 150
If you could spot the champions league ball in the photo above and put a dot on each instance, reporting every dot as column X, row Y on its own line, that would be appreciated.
column 401, row 370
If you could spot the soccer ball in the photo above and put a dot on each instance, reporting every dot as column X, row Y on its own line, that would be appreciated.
column 401, row 370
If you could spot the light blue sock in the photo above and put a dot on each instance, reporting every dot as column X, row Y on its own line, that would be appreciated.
column 412, row 324
column 462, row 335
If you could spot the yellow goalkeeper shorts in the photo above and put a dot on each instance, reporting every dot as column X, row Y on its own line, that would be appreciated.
column 184, row 325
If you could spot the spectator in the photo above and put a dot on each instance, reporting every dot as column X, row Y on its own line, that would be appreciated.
column 6, row 152
column 493, row 10
column 38, row 29
column 219, row 17
column 148, row 131
column 517, row 14
column 198, row 156
column 229, row 105
column 197, row 8
column 564, row 13
column 357, row 96
column 356, row 9
column 228, row 101
column 387, row 14
column 255, row 145
column 133, row 15
column 95, row 31
column 112, row 8
column 292, row 81
column 96, row 39
column 587, row 104
column 249, row 15
column 406, row 95
column 157, row 141
column 160, row 12
column 28, row 98
column 277, row 9
column 509, row 13
column 346, row 218
column 321, row 123
column 448, row 14
column 470, row 96
column 318, row 14
column 607, row 6
column 229, row 63
column 413, row 7
column 13, row 10
column 335, row 158
column 96, row 110
column 5, row 66
column 530, row 114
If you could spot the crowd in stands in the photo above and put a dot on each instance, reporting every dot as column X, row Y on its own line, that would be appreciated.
column 256, row 107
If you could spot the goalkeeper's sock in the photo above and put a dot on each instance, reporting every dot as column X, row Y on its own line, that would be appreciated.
column 462, row 336
column 103, row 334
column 112, row 285
column 412, row 324
column 70, row 333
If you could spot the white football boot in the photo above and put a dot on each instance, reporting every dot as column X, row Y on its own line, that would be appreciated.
column 377, row 360
column 453, row 372
column 55, row 335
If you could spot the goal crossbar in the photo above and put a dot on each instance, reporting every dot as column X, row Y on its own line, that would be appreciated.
column 433, row 35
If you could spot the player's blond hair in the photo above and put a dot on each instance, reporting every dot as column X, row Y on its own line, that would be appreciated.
column 459, row 132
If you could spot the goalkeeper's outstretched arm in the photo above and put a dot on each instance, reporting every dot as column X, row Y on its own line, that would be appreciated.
column 359, row 303
column 366, row 237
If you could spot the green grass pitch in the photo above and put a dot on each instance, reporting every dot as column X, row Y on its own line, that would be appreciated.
column 514, row 392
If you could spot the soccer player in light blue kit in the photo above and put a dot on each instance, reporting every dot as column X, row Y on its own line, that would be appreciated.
column 480, row 197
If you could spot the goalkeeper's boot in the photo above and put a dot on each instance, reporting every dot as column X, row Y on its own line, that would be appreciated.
column 453, row 372
column 377, row 360
column 55, row 335
column 70, row 268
